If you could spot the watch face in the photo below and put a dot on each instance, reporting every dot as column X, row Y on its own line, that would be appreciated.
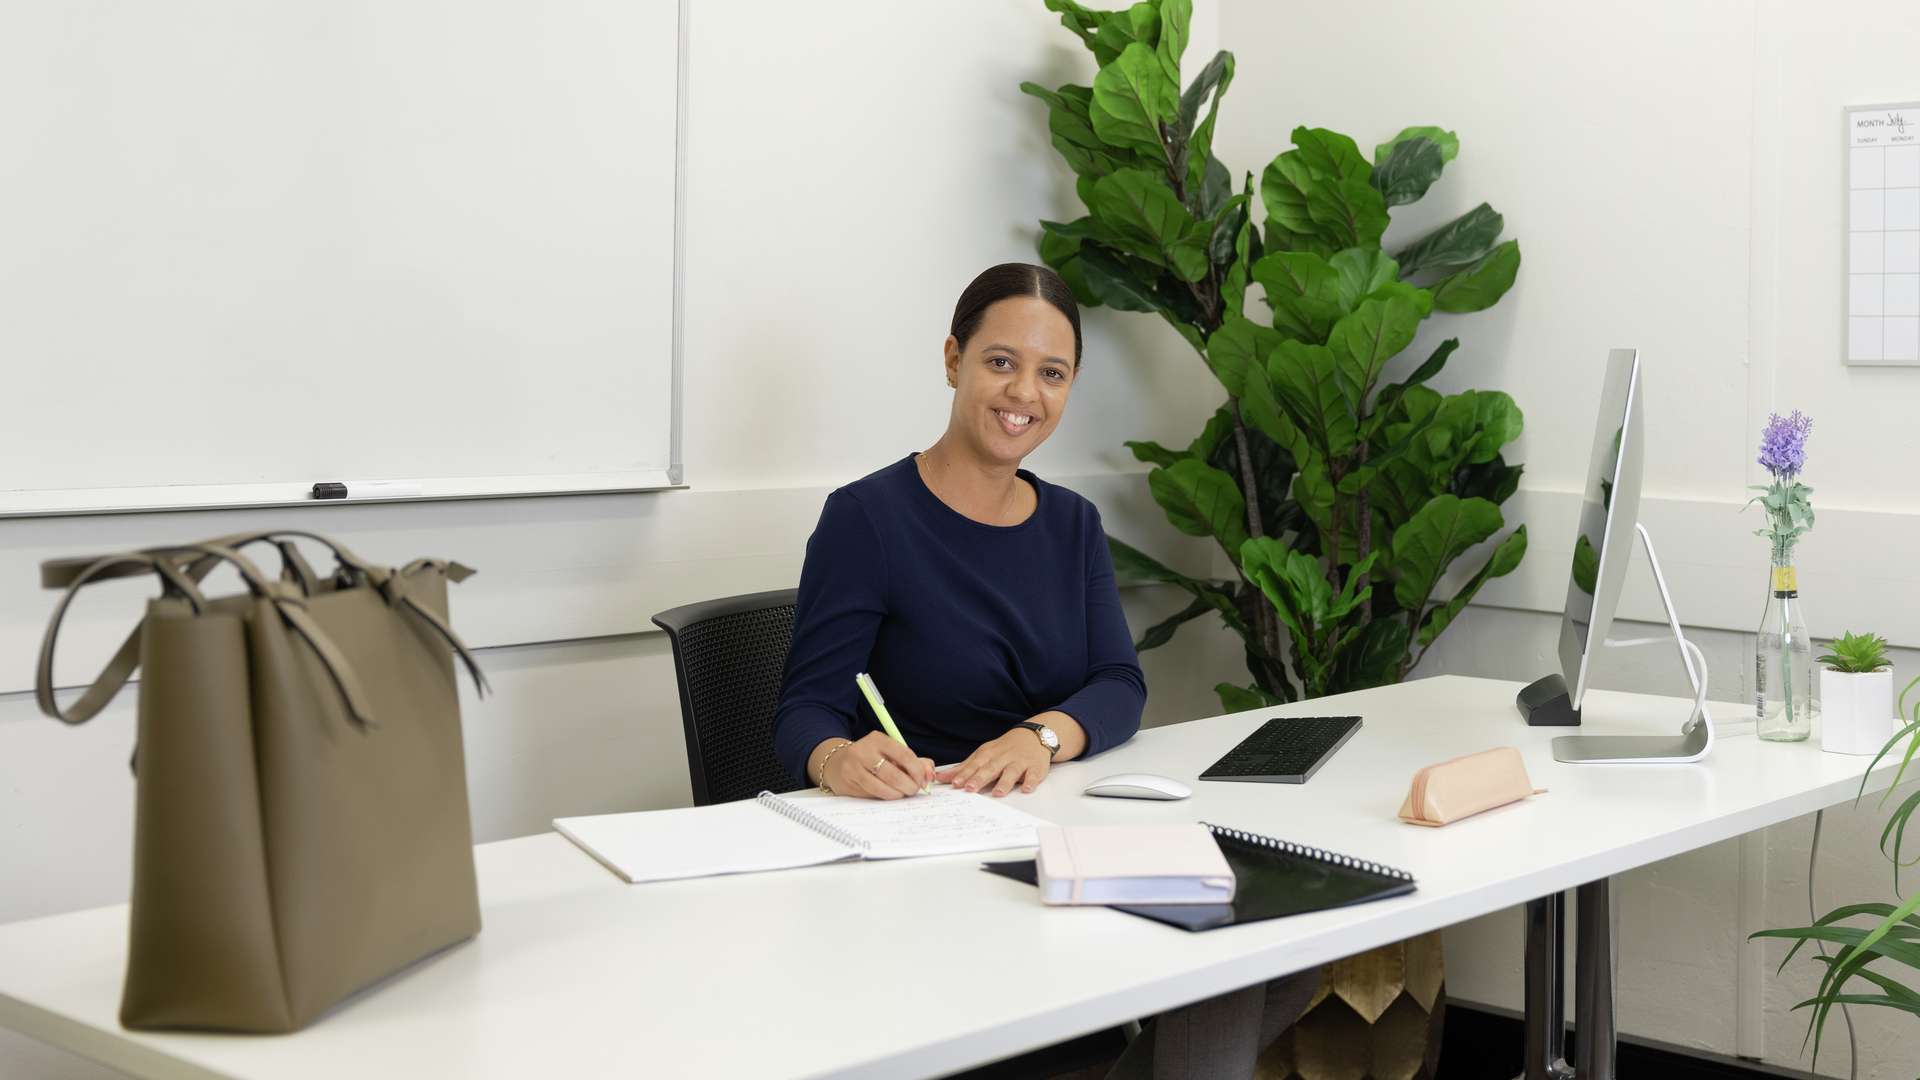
column 1051, row 740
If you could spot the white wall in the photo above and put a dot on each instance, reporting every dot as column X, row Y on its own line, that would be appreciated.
column 846, row 177
column 1673, row 173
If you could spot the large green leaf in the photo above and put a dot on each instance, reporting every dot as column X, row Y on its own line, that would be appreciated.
column 1114, row 282
column 1408, row 171
column 1139, row 23
column 1132, row 97
column 1436, row 535
column 1225, row 228
column 1474, row 425
column 1138, row 206
column 1134, row 567
column 1207, row 88
column 1329, row 154
column 1482, row 284
column 1303, row 292
column 1453, row 246
column 1308, row 383
column 1071, row 127
column 1131, row 566
column 1239, row 346
column 1152, row 452
column 1175, row 15
column 1233, row 286
column 1374, row 657
column 1162, row 632
column 1361, row 271
column 1218, row 431
column 1493, row 480
column 1447, row 141
column 1506, row 556
column 1317, row 194
column 1347, row 213
column 1283, row 190
column 1434, row 362
column 1085, row 23
column 1385, row 404
column 1293, row 583
column 1374, row 333
column 1200, row 500
column 1236, row 699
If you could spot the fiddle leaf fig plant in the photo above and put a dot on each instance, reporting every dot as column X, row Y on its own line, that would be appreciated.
column 1340, row 487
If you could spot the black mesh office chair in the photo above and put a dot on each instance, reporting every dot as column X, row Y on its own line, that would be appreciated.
column 730, row 655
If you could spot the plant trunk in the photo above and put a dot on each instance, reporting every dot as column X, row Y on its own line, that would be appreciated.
column 1265, row 624
column 1364, row 544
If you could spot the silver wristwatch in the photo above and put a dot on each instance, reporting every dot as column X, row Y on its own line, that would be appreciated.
column 1047, row 737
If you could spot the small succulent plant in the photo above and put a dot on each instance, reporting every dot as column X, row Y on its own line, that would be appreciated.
column 1857, row 654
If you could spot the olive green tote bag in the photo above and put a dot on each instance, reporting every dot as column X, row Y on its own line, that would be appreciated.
column 301, row 824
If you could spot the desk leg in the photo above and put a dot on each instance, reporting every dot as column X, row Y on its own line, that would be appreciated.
column 1593, row 1021
column 1545, row 995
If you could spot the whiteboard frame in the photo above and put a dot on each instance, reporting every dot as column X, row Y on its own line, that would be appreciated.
column 57, row 502
column 152, row 500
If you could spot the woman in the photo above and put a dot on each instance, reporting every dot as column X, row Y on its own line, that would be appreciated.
column 981, row 599
column 978, row 596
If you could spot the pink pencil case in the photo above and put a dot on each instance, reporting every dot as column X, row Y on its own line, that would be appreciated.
column 1466, row 786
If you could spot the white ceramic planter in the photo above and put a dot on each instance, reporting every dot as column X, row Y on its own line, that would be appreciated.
column 1856, row 711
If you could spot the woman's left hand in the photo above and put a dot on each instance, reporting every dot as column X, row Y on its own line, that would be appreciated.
column 1016, row 758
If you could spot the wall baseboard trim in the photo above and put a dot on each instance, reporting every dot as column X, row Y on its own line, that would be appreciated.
column 1484, row 1042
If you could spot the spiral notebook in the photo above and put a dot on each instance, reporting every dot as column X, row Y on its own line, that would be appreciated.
column 1273, row 878
column 775, row 832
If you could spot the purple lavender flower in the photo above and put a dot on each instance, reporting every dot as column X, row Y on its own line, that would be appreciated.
column 1783, row 443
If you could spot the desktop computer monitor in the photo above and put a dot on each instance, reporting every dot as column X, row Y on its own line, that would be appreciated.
column 1602, row 549
column 1609, row 510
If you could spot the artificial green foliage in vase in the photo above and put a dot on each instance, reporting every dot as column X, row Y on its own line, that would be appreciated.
column 1339, row 486
column 1875, row 961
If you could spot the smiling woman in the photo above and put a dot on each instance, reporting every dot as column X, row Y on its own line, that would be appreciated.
column 979, row 597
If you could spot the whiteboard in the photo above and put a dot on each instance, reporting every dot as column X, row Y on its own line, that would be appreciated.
column 247, row 247
column 1883, row 234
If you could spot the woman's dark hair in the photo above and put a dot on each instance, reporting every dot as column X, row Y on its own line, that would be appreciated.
column 996, row 283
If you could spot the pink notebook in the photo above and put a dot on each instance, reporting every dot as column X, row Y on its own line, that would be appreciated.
column 1132, row 864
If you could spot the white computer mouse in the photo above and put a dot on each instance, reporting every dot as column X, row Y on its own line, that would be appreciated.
column 1138, row 786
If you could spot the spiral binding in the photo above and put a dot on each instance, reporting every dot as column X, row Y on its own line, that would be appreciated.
column 793, row 811
column 1333, row 858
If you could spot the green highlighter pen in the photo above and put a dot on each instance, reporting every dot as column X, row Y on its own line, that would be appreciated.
column 865, row 682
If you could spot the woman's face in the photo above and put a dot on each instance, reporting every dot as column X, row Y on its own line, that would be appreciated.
column 1012, row 380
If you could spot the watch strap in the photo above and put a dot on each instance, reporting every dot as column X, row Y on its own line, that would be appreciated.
column 1039, row 731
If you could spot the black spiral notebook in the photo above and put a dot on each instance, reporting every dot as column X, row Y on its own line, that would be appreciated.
column 1272, row 878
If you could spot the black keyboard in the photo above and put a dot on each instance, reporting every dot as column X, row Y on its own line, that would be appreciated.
column 1286, row 750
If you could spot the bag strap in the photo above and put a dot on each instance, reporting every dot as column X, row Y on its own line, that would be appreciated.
column 291, row 609
column 394, row 586
column 120, row 668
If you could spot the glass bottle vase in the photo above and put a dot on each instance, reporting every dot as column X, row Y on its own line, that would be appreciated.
column 1782, row 663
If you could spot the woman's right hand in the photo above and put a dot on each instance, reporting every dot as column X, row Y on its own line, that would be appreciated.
column 876, row 767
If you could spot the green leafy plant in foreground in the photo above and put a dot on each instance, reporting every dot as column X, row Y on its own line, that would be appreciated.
column 1857, row 654
column 1892, row 938
column 1340, row 487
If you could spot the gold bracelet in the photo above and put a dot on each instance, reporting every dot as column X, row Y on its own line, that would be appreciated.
column 823, row 765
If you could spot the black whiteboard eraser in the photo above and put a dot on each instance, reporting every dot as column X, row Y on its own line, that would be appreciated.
column 329, row 491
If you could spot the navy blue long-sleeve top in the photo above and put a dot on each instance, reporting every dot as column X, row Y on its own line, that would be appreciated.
column 966, row 628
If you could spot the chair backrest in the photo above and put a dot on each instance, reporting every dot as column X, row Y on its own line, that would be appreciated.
column 731, row 655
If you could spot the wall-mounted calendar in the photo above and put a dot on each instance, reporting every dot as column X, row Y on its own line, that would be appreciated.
column 1883, row 234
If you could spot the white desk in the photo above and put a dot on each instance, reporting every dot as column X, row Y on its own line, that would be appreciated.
column 927, row 966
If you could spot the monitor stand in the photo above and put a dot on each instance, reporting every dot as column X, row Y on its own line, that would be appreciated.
column 1695, row 739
